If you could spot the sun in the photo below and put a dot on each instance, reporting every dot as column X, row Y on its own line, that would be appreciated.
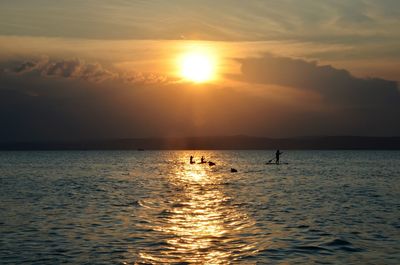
column 198, row 67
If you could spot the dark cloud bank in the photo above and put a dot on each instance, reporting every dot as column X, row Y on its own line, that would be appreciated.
column 334, row 85
column 72, row 99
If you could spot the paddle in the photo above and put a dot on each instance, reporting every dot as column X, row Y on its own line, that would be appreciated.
column 270, row 161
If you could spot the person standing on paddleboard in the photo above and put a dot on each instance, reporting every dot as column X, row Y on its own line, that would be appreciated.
column 277, row 155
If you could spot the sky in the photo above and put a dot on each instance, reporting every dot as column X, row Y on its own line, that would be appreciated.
column 98, row 69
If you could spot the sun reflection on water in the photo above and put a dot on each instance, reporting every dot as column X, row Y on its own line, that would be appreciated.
column 198, row 221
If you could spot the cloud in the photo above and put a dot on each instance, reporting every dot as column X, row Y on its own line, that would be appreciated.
column 334, row 85
column 67, row 108
column 91, row 97
column 79, row 69
column 75, row 68
column 25, row 67
column 66, row 68
column 145, row 78
column 338, row 21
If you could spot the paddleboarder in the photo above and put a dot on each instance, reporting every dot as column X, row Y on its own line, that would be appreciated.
column 277, row 155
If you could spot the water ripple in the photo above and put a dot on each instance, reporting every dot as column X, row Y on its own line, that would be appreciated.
column 155, row 208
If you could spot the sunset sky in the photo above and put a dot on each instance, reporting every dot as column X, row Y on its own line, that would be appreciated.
column 99, row 69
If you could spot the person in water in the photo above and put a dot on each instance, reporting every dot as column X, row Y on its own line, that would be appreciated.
column 191, row 160
column 202, row 160
column 277, row 155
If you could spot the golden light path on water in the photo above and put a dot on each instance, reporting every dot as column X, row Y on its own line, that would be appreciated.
column 198, row 221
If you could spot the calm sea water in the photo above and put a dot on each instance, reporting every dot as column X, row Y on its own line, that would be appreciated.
column 324, row 207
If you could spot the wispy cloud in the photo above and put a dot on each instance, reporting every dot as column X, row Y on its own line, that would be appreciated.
column 79, row 69
column 76, row 68
column 255, row 20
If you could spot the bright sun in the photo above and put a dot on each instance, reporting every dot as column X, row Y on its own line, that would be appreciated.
column 197, row 67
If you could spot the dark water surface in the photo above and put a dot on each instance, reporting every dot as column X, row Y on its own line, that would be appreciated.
column 325, row 207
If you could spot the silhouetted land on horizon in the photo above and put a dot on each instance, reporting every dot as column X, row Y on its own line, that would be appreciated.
column 215, row 143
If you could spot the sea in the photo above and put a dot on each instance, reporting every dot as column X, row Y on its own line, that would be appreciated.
column 154, row 207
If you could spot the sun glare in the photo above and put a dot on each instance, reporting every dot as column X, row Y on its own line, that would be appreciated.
column 197, row 67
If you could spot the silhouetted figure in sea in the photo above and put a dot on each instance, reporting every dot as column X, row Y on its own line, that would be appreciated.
column 277, row 155
column 233, row 170
column 202, row 160
column 191, row 160
column 211, row 163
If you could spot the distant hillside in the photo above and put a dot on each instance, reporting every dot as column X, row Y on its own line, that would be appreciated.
column 220, row 142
